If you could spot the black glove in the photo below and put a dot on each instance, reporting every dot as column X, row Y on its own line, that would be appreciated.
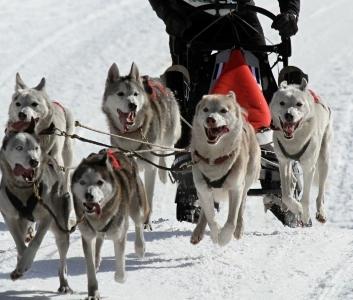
column 176, row 25
column 286, row 24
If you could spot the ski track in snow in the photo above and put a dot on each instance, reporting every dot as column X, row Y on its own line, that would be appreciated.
column 72, row 44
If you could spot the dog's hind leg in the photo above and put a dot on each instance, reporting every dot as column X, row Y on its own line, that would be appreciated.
column 88, row 246
column 239, row 228
column 150, row 178
column 322, row 169
column 62, row 242
column 198, row 233
column 99, row 244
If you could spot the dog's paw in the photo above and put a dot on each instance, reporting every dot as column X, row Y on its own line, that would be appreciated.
column 120, row 277
column 96, row 296
column 140, row 250
column 294, row 206
column 321, row 217
column 147, row 226
column 226, row 234
column 16, row 275
column 197, row 235
column 65, row 289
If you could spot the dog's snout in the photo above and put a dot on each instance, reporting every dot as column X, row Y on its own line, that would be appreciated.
column 22, row 116
column 210, row 121
column 132, row 106
column 33, row 163
column 88, row 196
column 288, row 117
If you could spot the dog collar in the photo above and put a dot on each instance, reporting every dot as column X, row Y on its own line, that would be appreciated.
column 217, row 161
column 295, row 156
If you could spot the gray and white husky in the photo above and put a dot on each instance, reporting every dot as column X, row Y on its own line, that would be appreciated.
column 142, row 109
column 226, row 159
column 304, row 130
column 28, row 103
column 32, row 185
column 107, row 189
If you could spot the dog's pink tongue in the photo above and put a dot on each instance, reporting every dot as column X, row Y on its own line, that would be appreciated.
column 21, row 171
column 97, row 209
column 289, row 128
column 131, row 117
column 19, row 125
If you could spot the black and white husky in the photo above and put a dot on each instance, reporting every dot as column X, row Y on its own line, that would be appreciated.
column 106, row 190
column 32, row 188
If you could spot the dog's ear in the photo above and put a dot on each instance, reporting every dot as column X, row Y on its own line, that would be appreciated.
column 232, row 95
column 19, row 83
column 134, row 72
column 41, row 85
column 31, row 127
column 303, row 84
column 113, row 73
column 283, row 84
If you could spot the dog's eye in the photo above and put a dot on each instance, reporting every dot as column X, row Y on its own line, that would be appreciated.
column 15, row 97
column 136, row 94
column 36, row 148
column 19, row 148
column 120, row 94
column 18, row 104
column 281, row 103
column 224, row 110
column 82, row 182
column 34, row 104
column 100, row 182
column 205, row 109
column 299, row 104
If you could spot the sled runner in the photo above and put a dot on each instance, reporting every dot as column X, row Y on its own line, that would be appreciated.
column 216, row 59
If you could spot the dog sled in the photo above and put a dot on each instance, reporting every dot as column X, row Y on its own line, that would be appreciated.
column 187, row 208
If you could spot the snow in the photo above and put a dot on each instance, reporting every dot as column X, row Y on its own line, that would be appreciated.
column 72, row 44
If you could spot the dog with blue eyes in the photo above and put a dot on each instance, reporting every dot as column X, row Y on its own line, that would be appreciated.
column 302, row 125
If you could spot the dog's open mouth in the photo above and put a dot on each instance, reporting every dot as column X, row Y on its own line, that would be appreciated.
column 214, row 133
column 93, row 207
column 27, row 174
column 21, row 125
column 127, row 119
column 289, row 128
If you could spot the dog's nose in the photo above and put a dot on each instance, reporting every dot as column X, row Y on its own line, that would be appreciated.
column 210, row 121
column 88, row 196
column 288, row 117
column 132, row 106
column 22, row 116
column 34, row 163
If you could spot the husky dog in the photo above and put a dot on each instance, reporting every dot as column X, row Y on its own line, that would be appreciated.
column 28, row 103
column 303, row 132
column 226, row 158
column 32, row 190
column 142, row 109
column 106, row 190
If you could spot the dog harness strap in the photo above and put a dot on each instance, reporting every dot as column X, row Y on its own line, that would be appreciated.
column 24, row 211
column 216, row 184
column 57, row 103
column 296, row 156
column 153, row 88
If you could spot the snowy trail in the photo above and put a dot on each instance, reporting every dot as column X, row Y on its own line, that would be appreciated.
column 72, row 44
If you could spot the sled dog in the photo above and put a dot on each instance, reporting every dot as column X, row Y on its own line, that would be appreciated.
column 107, row 189
column 144, row 109
column 28, row 103
column 303, row 132
column 226, row 159
column 33, row 186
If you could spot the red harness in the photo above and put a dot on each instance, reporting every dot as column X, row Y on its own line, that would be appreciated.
column 154, row 88
column 59, row 104
column 217, row 161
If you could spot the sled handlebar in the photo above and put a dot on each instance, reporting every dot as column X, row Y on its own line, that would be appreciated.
column 284, row 49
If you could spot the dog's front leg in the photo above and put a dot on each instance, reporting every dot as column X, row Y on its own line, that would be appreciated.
column 235, row 199
column 197, row 234
column 99, row 244
column 62, row 242
column 119, row 249
column 88, row 245
column 27, row 258
column 308, row 176
column 287, row 187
